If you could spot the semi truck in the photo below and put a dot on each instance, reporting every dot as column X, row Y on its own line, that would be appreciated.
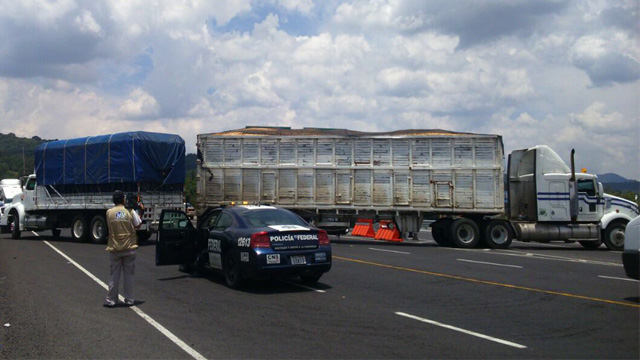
column 75, row 179
column 332, row 177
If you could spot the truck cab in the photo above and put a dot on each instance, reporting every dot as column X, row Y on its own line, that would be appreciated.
column 548, row 200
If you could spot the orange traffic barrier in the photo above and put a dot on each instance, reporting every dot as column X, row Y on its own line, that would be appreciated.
column 388, row 231
column 364, row 227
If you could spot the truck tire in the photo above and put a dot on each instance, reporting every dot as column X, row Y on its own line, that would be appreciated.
column 15, row 226
column 613, row 235
column 464, row 233
column 498, row 234
column 99, row 230
column 231, row 269
column 79, row 228
column 440, row 232
column 591, row 245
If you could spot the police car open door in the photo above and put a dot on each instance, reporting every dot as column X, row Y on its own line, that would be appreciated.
column 176, row 239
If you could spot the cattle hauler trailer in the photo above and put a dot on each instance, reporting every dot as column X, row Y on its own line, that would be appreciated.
column 335, row 176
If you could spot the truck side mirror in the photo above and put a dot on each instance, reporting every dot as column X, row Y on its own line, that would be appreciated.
column 600, row 190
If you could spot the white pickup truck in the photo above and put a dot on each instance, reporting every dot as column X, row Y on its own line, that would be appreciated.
column 617, row 214
column 8, row 189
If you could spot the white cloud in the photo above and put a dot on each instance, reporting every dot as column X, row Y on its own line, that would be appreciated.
column 140, row 105
column 557, row 72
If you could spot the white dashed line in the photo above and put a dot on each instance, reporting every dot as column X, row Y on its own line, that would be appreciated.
column 181, row 344
column 472, row 333
column 391, row 251
column 488, row 263
column 616, row 278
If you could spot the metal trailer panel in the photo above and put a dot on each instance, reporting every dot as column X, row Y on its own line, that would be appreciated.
column 428, row 171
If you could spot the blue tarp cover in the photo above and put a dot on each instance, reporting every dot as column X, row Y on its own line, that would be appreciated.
column 128, row 157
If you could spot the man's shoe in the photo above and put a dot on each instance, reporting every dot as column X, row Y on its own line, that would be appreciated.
column 129, row 302
column 110, row 306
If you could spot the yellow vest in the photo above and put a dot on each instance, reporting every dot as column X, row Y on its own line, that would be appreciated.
column 122, row 233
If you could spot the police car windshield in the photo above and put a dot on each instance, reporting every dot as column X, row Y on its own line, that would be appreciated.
column 262, row 218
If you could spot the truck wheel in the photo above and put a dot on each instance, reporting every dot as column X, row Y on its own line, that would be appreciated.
column 613, row 236
column 99, row 230
column 591, row 245
column 15, row 226
column 79, row 228
column 498, row 234
column 439, row 232
column 464, row 233
column 231, row 269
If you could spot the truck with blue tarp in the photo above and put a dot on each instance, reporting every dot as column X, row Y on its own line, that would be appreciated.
column 75, row 179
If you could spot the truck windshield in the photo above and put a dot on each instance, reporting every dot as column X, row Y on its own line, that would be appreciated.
column 587, row 186
column 552, row 163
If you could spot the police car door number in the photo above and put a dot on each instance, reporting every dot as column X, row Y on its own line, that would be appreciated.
column 298, row 260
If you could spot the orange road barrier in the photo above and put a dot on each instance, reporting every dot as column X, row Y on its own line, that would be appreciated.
column 388, row 231
column 364, row 227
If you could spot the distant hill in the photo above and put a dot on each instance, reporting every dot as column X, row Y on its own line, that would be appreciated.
column 612, row 178
column 12, row 163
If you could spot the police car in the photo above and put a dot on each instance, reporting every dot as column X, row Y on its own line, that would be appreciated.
column 244, row 242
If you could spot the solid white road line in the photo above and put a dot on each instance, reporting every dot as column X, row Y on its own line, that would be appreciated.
column 616, row 278
column 181, row 344
column 488, row 263
column 301, row 285
column 391, row 251
column 472, row 333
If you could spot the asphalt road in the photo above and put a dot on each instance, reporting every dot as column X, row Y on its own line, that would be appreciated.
column 380, row 300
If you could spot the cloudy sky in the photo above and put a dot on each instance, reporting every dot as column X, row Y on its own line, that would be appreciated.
column 563, row 73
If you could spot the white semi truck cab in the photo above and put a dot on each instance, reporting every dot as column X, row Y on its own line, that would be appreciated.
column 548, row 200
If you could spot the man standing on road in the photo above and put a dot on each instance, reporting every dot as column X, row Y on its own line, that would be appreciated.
column 122, row 245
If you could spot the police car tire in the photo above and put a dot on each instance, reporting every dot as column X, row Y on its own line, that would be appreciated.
column 143, row 236
column 310, row 279
column 231, row 270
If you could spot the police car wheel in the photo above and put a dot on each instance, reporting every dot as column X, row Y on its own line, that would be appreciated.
column 231, row 270
column 310, row 279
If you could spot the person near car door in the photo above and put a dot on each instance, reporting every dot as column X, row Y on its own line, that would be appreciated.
column 122, row 244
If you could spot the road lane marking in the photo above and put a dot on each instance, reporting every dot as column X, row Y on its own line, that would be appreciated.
column 616, row 278
column 391, row 251
column 181, row 344
column 488, row 263
column 531, row 255
column 486, row 282
column 301, row 285
column 468, row 332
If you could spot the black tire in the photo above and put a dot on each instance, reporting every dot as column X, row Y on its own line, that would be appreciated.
column 231, row 270
column 498, row 234
column 98, row 231
column 143, row 236
column 310, row 279
column 613, row 235
column 80, row 228
column 440, row 233
column 55, row 233
column 15, row 226
column 591, row 245
column 464, row 233
column 186, row 268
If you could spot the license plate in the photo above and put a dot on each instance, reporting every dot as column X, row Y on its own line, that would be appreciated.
column 298, row 260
